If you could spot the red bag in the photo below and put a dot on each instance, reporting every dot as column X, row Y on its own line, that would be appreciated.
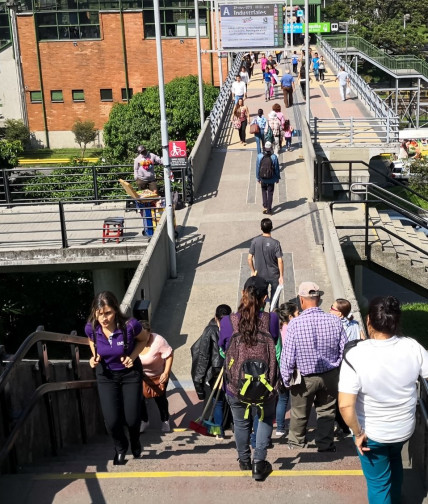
column 152, row 387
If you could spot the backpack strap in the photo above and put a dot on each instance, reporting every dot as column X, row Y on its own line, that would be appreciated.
column 349, row 346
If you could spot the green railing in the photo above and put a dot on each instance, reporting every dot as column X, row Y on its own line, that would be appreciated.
column 394, row 63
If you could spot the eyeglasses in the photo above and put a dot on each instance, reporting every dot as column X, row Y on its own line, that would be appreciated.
column 332, row 308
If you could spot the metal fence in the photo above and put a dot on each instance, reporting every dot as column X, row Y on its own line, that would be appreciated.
column 217, row 112
column 380, row 109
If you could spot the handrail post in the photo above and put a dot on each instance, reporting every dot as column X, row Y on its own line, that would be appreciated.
column 315, row 129
column 351, row 136
column 7, row 193
column 63, row 226
column 366, row 238
column 45, row 377
column 75, row 361
column 387, row 128
column 349, row 180
column 95, row 183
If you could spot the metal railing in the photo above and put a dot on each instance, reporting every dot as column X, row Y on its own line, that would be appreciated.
column 351, row 131
column 408, row 63
column 220, row 105
column 364, row 92
column 12, row 426
column 78, row 223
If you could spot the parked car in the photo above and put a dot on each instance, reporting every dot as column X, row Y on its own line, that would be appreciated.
column 393, row 215
column 400, row 171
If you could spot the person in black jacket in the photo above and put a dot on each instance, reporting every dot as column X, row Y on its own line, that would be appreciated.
column 207, row 361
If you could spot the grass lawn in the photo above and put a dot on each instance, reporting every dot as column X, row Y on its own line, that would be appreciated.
column 60, row 153
column 414, row 322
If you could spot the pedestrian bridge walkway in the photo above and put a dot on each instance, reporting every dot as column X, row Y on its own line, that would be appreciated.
column 214, row 238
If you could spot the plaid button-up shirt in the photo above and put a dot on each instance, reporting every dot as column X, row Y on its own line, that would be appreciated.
column 314, row 344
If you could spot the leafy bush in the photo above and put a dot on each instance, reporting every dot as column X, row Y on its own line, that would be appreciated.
column 15, row 130
column 138, row 122
column 9, row 151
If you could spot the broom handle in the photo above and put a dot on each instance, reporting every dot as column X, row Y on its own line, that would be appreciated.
column 210, row 398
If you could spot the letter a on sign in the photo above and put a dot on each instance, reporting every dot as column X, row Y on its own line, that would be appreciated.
column 226, row 11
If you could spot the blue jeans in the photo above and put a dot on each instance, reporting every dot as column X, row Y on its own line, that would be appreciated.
column 238, row 97
column 260, row 141
column 243, row 427
column 281, row 410
column 383, row 469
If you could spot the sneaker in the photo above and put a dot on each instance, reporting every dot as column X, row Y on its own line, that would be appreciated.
column 294, row 446
column 143, row 426
column 280, row 433
column 261, row 470
column 165, row 427
column 245, row 465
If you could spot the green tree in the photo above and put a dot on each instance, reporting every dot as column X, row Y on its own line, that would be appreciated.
column 15, row 129
column 84, row 133
column 138, row 122
column 418, row 180
column 9, row 151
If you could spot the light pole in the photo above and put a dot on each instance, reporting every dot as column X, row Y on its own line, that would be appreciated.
column 308, row 91
column 165, row 152
column 200, row 81
column 406, row 17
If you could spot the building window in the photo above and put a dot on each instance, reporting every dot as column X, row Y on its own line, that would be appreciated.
column 130, row 93
column 36, row 96
column 106, row 94
column 68, row 25
column 78, row 95
column 177, row 19
column 57, row 96
column 5, row 35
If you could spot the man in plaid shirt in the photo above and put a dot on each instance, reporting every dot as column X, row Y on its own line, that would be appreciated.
column 314, row 346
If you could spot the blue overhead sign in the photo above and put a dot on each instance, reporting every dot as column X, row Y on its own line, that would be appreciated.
column 297, row 28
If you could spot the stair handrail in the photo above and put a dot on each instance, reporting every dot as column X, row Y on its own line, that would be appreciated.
column 364, row 188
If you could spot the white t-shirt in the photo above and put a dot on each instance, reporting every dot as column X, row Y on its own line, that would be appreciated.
column 239, row 88
column 342, row 77
column 384, row 380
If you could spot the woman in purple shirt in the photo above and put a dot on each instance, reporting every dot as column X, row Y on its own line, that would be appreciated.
column 116, row 344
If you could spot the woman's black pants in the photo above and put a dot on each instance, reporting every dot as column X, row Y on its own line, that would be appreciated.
column 162, row 404
column 120, row 396
column 242, row 130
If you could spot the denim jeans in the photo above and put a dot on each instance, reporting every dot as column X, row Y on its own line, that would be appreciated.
column 383, row 469
column 281, row 409
column 260, row 141
column 243, row 427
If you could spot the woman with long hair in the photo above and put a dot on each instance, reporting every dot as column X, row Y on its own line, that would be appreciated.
column 116, row 342
column 240, row 116
column 342, row 309
column 378, row 397
column 250, row 329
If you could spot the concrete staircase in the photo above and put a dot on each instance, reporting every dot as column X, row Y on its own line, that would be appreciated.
column 395, row 255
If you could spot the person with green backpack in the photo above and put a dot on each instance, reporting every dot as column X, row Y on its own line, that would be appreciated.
column 248, row 338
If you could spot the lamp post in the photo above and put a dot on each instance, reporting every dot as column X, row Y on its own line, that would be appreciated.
column 200, row 81
column 406, row 17
column 308, row 91
column 165, row 152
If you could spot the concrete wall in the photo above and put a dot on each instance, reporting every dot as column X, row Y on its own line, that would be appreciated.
column 200, row 155
column 33, row 442
column 308, row 149
column 152, row 272
column 9, row 95
column 335, row 261
column 62, row 139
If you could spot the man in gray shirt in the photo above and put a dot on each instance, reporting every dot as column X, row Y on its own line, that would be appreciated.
column 265, row 257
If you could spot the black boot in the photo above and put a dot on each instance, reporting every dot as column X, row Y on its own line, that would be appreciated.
column 245, row 465
column 136, row 450
column 261, row 470
column 119, row 459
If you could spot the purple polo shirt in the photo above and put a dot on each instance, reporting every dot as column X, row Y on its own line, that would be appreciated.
column 226, row 330
column 314, row 344
column 112, row 352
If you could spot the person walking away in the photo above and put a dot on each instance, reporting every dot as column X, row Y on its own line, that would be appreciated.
column 261, row 121
column 240, row 117
column 115, row 343
column 207, row 362
column 286, row 312
column 239, row 89
column 344, row 82
column 302, row 79
column 156, row 359
column 246, row 337
column 288, row 86
column 276, row 107
column 313, row 346
column 265, row 257
column 288, row 134
column 274, row 79
column 294, row 62
column 278, row 55
column 321, row 68
column 275, row 125
column 245, row 78
column 144, row 169
column 267, row 78
column 267, row 175
column 378, row 397
column 250, row 69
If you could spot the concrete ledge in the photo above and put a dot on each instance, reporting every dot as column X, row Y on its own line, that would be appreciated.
column 200, row 155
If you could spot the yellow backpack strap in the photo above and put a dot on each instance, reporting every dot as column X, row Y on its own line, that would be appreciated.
column 263, row 380
column 248, row 380
column 247, row 411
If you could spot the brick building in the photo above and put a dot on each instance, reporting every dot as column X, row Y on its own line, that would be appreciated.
column 79, row 57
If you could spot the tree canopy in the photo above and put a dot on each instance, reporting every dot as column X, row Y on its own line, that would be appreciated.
column 382, row 23
column 138, row 122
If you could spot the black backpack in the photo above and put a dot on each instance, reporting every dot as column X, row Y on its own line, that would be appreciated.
column 266, row 167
